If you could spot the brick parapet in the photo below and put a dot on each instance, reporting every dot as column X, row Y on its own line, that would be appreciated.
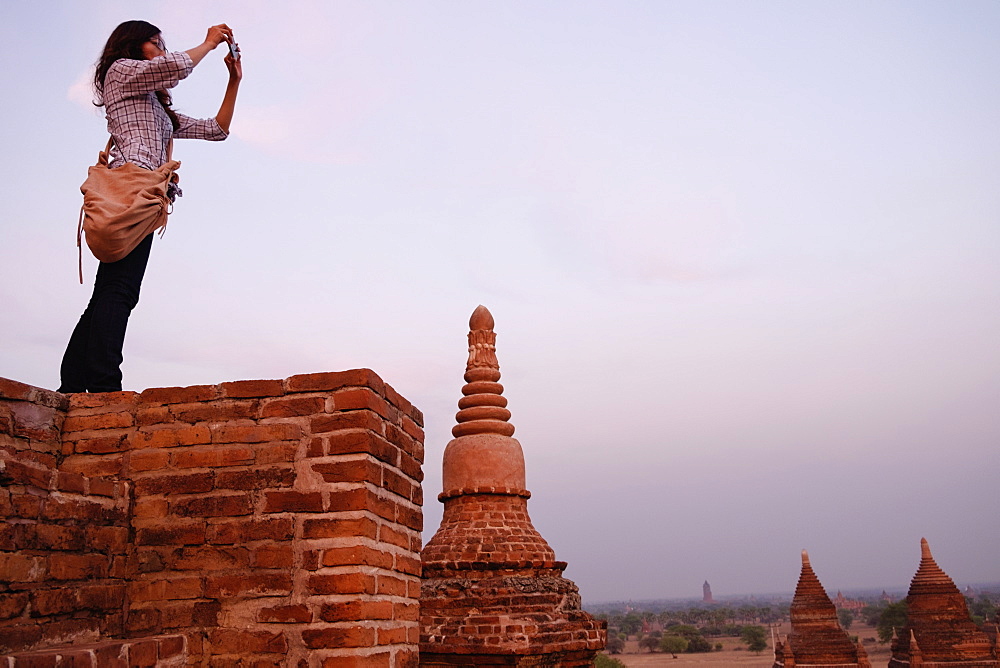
column 276, row 519
column 63, row 541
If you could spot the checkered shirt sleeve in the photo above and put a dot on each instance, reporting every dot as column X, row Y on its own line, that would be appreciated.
column 137, row 120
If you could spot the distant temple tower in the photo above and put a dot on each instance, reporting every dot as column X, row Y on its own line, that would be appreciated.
column 939, row 632
column 816, row 638
column 492, row 592
column 706, row 593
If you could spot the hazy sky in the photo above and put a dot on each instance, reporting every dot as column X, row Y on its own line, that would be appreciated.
column 742, row 256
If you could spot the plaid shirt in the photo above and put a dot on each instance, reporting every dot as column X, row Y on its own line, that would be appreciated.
column 137, row 120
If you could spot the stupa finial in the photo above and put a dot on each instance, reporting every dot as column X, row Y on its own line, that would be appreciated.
column 483, row 409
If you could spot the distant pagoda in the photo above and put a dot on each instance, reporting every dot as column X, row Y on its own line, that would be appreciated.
column 939, row 632
column 816, row 638
column 706, row 593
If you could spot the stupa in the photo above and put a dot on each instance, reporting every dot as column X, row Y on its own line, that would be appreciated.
column 706, row 593
column 492, row 591
column 816, row 638
column 938, row 631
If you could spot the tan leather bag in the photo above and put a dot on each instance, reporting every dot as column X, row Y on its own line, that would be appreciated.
column 122, row 205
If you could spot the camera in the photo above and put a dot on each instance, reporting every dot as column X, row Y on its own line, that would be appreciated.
column 233, row 51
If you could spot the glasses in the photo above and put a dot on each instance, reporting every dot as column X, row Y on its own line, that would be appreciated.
column 157, row 42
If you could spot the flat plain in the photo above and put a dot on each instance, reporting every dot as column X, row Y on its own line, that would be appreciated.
column 734, row 653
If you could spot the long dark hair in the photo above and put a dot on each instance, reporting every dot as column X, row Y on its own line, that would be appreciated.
column 126, row 42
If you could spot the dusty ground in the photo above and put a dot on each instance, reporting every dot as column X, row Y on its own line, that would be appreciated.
column 734, row 653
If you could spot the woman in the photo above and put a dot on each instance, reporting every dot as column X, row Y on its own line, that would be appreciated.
column 131, row 81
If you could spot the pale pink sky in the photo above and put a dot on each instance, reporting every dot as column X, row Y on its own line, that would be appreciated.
column 742, row 256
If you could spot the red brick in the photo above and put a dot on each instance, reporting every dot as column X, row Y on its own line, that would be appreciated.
column 292, row 407
column 78, row 566
column 341, row 583
column 102, row 487
column 64, row 630
column 256, row 478
column 56, row 537
column 142, row 653
column 320, row 424
column 143, row 620
column 107, row 539
column 165, row 590
column 351, row 442
column 398, row 483
column 205, row 558
column 253, row 388
column 335, row 637
column 25, row 474
column 393, row 636
column 71, row 482
column 179, row 395
column 285, row 614
column 362, row 498
column 171, row 436
column 361, row 527
column 414, row 428
column 239, row 531
column 387, row 585
column 273, row 556
column 173, row 483
column 12, row 605
column 406, row 612
column 356, row 555
column 216, row 411
column 362, row 398
column 101, row 597
column 408, row 565
column 351, row 470
column 148, row 460
column 26, row 507
column 255, row 433
column 293, row 502
column 355, row 611
column 47, row 602
column 175, row 534
column 21, row 636
column 393, row 537
column 99, row 445
column 218, row 505
column 333, row 380
column 150, row 415
column 273, row 453
column 93, row 465
column 118, row 420
column 171, row 646
column 411, row 518
column 377, row 660
column 232, row 641
column 213, row 457
column 257, row 584
column 156, row 507
column 316, row 447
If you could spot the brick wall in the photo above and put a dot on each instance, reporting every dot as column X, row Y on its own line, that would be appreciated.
column 64, row 535
column 272, row 522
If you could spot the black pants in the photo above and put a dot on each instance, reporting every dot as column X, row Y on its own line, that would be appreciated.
column 93, row 358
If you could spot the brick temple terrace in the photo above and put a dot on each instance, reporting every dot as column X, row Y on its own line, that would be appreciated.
column 269, row 523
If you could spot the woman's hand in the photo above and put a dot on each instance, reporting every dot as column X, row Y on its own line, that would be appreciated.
column 234, row 65
column 218, row 34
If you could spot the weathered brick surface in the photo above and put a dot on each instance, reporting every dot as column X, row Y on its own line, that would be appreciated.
column 263, row 522
column 62, row 546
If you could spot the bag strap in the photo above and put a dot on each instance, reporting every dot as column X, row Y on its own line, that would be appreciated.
column 79, row 248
